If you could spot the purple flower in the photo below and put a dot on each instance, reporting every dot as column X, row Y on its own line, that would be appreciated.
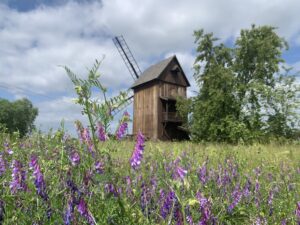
column 297, row 212
column 137, row 154
column 123, row 126
column 188, row 215
column 18, row 177
column 99, row 167
column 145, row 200
column 88, row 140
column 101, row 132
column 83, row 210
column 180, row 173
column 246, row 190
column 283, row 222
column 129, row 191
column 167, row 204
column 7, row 148
column 121, row 131
column 260, row 221
column 87, row 177
column 2, row 165
column 110, row 188
column 74, row 158
column 257, row 193
column 69, row 214
column 178, row 216
column 205, row 209
column 257, row 171
column 39, row 178
column 72, row 186
column 270, row 198
column 202, row 174
column 236, row 196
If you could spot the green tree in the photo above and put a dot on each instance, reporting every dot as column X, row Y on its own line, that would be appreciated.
column 18, row 115
column 257, row 61
column 241, row 94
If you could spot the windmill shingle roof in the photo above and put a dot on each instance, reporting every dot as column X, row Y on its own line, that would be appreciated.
column 153, row 72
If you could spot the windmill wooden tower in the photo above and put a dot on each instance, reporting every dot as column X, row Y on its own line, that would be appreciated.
column 154, row 95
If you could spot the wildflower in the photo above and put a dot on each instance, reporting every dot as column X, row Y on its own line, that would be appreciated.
column 39, row 178
column 123, row 126
column 189, row 217
column 88, row 141
column 74, row 158
column 137, row 154
column 18, row 177
column 145, row 200
column 246, row 190
column 87, row 177
column 129, row 191
column 180, row 173
column 297, row 212
column 178, row 216
column 72, row 186
column 101, row 132
column 167, row 204
column 202, row 174
column 99, row 167
column 283, row 222
column 205, row 208
column 110, row 188
column 49, row 212
column 260, row 221
column 257, row 193
column 8, row 149
column 257, row 171
column 236, row 195
column 2, row 165
column 69, row 214
column 83, row 210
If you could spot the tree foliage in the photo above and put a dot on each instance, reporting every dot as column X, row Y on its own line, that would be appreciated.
column 18, row 115
column 243, row 93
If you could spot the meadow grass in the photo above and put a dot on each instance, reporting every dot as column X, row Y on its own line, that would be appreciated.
column 176, row 183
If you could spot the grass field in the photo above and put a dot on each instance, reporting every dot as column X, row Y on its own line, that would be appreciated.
column 54, row 179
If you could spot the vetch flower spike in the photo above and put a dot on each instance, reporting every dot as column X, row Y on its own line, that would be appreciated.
column 101, row 132
column 2, row 165
column 137, row 154
column 123, row 126
column 18, row 177
column 74, row 158
column 83, row 210
column 39, row 178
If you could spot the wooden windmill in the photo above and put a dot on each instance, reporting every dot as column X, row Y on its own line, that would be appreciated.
column 154, row 95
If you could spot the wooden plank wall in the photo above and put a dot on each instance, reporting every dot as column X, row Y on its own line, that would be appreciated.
column 170, row 77
column 171, row 90
column 145, row 116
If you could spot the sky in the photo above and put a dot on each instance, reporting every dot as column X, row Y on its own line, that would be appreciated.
column 38, row 36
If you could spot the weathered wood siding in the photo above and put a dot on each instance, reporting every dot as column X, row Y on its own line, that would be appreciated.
column 171, row 90
column 145, row 116
column 177, row 79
